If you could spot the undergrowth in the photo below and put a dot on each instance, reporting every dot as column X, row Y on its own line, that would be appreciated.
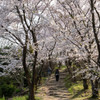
column 21, row 98
column 77, row 91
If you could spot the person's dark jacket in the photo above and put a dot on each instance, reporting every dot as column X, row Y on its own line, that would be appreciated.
column 57, row 72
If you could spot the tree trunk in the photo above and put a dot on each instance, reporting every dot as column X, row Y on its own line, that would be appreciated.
column 31, row 93
column 30, row 79
column 85, row 85
column 74, row 79
column 34, row 65
column 68, row 67
column 94, row 88
column 69, row 70
column 32, row 86
column 92, row 85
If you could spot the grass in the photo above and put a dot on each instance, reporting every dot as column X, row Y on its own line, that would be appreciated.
column 2, row 98
column 21, row 98
column 76, row 90
column 63, row 67
column 44, row 79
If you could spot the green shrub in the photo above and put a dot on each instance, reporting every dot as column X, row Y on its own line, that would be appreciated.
column 0, row 92
column 2, row 98
column 5, row 80
column 7, row 90
column 20, row 98
column 17, row 90
column 24, row 98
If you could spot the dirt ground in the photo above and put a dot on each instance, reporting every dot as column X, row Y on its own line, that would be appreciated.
column 53, row 90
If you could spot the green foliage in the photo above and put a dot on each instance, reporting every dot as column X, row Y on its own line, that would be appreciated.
column 19, row 53
column 5, row 80
column 68, row 83
column 1, row 69
column 38, row 98
column 17, row 90
column 31, row 49
column 7, row 47
column 6, row 87
column 5, row 63
column 63, row 67
column 24, row 98
column 7, row 90
column 43, row 79
column 0, row 92
column 20, row 98
column 2, row 98
column 2, row 50
column 77, row 90
column 3, row 53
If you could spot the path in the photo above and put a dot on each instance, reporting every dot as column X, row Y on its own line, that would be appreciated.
column 53, row 90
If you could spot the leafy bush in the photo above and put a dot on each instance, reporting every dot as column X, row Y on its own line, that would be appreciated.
column 8, row 86
column 7, row 90
column 20, row 98
column 24, row 98
column 5, row 80
column 2, row 98
column 0, row 92
column 17, row 90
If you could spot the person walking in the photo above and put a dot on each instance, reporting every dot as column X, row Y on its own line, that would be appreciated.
column 49, row 71
column 57, row 74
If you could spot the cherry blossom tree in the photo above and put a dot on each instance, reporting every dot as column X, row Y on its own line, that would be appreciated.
column 54, row 29
column 74, row 23
column 25, row 19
